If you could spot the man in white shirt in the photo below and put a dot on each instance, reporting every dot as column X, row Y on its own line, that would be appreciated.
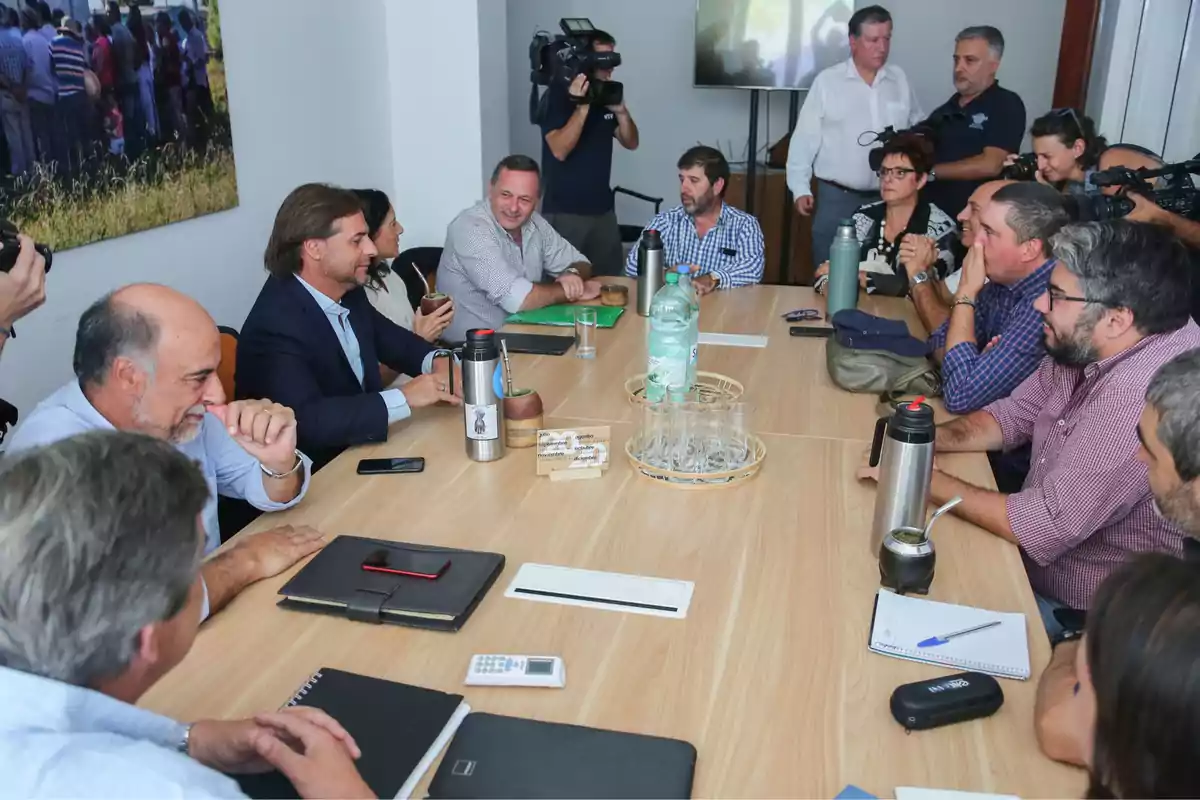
column 859, row 96
column 145, row 361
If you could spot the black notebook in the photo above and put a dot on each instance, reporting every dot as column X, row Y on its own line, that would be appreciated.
column 539, row 344
column 399, row 728
column 494, row 756
column 335, row 582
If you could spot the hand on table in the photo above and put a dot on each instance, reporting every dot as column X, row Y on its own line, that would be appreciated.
column 315, row 754
column 428, row 390
column 705, row 284
column 441, row 368
column 264, row 429
column 804, row 205
column 430, row 327
column 591, row 289
column 573, row 286
column 274, row 550
column 230, row 745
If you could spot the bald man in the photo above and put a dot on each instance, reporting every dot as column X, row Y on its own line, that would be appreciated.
column 146, row 361
column 932, row 298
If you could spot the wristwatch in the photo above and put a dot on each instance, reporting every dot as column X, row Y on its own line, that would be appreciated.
column 921, row 277
column 716, row 280
column 185, row 739
column 270, row 473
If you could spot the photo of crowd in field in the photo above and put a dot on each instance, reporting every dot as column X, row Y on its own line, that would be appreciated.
column 114, row 117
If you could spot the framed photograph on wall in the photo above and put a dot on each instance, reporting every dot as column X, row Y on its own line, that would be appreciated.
column 114, row 117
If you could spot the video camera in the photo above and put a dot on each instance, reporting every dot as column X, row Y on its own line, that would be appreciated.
column 929, row 129
column 12, row 247
column 561, row 58
column 1177, row 194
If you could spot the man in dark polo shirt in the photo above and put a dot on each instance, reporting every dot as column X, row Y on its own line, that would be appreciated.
column 577, row 165
column 986, row 122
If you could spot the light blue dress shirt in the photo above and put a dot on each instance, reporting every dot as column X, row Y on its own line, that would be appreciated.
column 339, row 319
column 58, row 740
column 227, row 468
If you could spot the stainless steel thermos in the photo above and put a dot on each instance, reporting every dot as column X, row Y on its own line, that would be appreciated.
column 903, row 451
column 651, row 270
column 483, row 412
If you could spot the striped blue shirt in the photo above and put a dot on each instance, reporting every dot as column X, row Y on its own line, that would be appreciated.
column 66, row 54
column 732, row 250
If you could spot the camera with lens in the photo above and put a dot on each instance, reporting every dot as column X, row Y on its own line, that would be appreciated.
column 929, row 129
column 1023, row 169
column 1176, row 192
column 569, row 54
column 12, row 247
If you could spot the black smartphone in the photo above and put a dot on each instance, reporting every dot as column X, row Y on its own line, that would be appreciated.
column 811, row 332
column 390, row 466
column 413, row 563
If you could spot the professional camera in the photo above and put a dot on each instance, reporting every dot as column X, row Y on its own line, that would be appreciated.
column 1176, row 193
column 1096, row 207
column 1023, row 169
column 929, row 129
column 561, row 58
column 12, row 247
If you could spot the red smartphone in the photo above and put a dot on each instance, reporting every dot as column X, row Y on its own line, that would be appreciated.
column 410, row 563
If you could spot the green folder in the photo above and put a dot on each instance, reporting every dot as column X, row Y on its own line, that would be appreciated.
column 563, row 316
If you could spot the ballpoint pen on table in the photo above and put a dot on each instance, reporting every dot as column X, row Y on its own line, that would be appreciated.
column 934, row 641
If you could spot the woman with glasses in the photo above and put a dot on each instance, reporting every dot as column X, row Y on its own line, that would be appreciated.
column 881, row 227
column 1068, row 150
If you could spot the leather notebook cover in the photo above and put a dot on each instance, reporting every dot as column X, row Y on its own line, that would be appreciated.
column 334, row 582
column 495, row 756
column 394, row 724
column 538, row 344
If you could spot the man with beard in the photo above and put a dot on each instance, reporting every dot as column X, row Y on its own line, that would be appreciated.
column 1115, row 310
column 146, row 361
column 723, row 245
column 313, row 340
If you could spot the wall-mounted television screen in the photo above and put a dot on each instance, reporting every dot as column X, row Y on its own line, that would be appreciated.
column 769, row 44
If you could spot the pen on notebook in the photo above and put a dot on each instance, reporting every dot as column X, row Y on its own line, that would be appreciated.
column 934, row 641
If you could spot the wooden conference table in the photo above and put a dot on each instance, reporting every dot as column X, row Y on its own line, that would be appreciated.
column 769, row 675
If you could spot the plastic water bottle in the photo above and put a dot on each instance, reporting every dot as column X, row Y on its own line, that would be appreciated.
column 842, row 292
column 685, row 283
column 672, row 342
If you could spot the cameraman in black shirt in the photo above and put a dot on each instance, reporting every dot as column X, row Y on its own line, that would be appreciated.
column 983, row 122
column 577, row 165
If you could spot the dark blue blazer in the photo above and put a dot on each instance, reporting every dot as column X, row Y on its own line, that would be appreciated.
column 287, row 352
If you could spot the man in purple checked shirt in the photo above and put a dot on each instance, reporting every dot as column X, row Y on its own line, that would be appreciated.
column 1115, row 310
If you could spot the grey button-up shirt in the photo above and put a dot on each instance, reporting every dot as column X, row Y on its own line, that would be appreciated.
column 58, row 740
column 488, row 274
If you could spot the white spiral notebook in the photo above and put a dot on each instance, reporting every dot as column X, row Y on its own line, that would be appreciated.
column 901, row 622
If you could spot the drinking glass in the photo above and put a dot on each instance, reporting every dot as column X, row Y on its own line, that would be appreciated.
column 685, row 437
column 714, row 438
column 585, row 332
column 654, row 448
column 736, row 435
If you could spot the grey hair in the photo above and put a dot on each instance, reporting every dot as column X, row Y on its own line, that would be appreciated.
column 1174, row 393
column 1132, row 265
column 99, row 537
column 990, row 34
column 109, row 330
column 1034, row 211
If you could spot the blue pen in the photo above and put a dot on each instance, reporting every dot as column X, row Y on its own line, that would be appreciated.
column 934, row 641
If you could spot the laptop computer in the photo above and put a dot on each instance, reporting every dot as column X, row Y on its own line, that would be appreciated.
column 496, row 756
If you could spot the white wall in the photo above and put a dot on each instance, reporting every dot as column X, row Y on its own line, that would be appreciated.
column 655, row 39
column 382, row 101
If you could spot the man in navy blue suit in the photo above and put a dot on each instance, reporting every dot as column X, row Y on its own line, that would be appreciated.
column 314, row 342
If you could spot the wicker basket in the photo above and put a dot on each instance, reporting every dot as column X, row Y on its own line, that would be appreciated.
column 706, row 480
column 713, row 388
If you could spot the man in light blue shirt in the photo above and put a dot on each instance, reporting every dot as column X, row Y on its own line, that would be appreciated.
column 100, row 597
column 145, row 361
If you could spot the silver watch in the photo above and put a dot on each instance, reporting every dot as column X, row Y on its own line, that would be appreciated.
column 919, row 278
column 185, row 739
column 270, row 473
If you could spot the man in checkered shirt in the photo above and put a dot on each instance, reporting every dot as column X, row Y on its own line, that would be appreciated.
column 1116, row 309
column 723, row 243
column 498, row 251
